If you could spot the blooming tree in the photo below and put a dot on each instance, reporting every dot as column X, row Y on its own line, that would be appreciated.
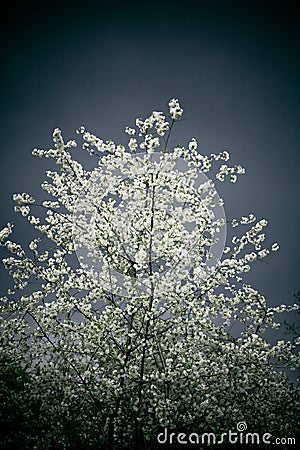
column 130, row 313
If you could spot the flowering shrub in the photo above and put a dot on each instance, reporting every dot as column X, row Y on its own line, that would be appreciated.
column 128, row 313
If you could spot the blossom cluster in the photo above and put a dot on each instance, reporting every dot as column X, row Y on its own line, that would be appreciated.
column 125, row 302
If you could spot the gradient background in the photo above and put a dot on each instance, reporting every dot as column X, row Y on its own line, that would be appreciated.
column 233, row 65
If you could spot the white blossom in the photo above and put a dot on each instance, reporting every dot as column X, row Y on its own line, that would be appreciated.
column 174, row 108
column 193, row 144
column 120, row 311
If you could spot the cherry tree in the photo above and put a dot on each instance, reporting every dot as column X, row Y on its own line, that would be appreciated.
column 130, row 313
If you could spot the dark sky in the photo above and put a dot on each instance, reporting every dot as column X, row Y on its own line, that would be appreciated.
column 233, row 65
